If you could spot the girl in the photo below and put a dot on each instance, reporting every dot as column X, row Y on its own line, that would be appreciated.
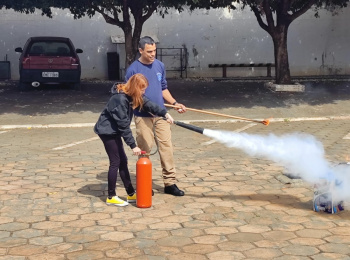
column 114, row 123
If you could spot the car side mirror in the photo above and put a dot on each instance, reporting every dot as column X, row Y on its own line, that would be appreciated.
column 19, row 49
column 79, row 50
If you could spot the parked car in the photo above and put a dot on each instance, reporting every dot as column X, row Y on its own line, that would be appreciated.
column 49, row 60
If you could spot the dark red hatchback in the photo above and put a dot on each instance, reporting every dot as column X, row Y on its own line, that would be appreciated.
column 48, row 60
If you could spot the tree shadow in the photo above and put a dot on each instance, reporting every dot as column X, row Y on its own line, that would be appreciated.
column 92, row 97
column 99, row 189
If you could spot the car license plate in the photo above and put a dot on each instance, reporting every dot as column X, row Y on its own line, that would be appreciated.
column 50, row 74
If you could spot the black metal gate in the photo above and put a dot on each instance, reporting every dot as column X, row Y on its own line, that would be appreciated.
column 175, row 59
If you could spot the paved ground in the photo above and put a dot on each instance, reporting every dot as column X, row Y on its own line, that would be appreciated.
column 53, row 179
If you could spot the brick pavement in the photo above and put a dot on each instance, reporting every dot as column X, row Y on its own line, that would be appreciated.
column 236, row 206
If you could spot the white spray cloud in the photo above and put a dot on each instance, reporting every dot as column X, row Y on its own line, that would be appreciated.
column 301, row 154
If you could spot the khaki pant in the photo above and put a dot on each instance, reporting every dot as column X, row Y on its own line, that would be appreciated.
column 145, row 140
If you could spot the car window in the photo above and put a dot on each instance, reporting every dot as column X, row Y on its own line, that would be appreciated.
column 50, row 48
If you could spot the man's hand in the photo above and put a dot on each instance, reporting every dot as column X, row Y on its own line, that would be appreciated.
column 180, row 108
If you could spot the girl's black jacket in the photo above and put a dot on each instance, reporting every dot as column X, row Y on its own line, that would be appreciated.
column 116, row 117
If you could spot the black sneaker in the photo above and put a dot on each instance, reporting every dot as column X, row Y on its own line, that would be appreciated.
column 173, row 190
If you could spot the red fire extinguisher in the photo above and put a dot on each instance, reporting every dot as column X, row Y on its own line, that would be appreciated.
column 143, row 182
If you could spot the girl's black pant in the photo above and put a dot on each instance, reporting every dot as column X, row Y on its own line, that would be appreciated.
column 117, row 162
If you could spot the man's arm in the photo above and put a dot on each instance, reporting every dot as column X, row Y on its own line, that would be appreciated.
column 169, row 98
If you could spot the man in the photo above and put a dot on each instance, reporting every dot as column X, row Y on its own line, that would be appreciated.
column 157, row 92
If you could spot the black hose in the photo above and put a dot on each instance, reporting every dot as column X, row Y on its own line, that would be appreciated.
column 190, row 127
column 155, row 136
column 187, row 126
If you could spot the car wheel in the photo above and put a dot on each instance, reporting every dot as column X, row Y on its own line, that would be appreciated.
column 22, row 86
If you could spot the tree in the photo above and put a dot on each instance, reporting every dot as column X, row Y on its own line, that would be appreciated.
column 275, row 17
column 27, row 6
column 129, row 15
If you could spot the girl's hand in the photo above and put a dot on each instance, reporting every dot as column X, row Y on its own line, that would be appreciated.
column 136, row 151
column 169, row 118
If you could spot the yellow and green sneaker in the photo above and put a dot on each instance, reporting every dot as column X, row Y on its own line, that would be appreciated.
column 116, row 201
column 131, row 199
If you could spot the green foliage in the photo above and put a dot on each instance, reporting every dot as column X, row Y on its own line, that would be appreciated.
column 28, row 6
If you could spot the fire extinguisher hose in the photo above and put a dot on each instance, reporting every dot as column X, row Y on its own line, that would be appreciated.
column 155, row 136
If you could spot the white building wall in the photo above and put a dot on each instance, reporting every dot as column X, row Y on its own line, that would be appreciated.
column 317, row 46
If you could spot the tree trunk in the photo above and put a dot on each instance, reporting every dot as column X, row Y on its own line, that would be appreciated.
column 129, row 50
column 281, row 55
column 132, row 38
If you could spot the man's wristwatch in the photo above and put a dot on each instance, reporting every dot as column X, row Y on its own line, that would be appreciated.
column 174, row 103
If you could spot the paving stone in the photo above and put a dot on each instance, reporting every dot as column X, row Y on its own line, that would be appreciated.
column 176, row 241
column 335, row 248
column 271, row 244
column 235, row 246
column 253, row 229
column 63, row 231
column 152, row 234
column 47, row 225
column 145, row 257
column 157, row 213
column 28, row 233
column 146, row 220
column 45, row 241
column 63, row 218
column 307, row 241
column 209, row 239
column 198, row 224
column 46, row 256
column 188, row 211
column 225, row 255
column 4, row 234
column 286, row 226
column 162, row 250
column 279, row 235
column 64, row 248
column 13, row 226
column 12, row 241
column 26, row 250
column 340, row 231
column 320, row 225
column 165, row 226
column 9, row 257
column 123, row 253
column 199, row 249
column 31, row 219
column 313, row 233
column 85, row 255
column 79, row 223
column 300, row 250
column 290, row 257
column 263, row 253
column 220, row 230
column 245, row 237
column 117, row 236
column 327, row 256
column 187, row 256
column 4, row 220
column 138, row 243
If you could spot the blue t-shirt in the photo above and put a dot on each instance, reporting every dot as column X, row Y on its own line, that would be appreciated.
column 155, row 74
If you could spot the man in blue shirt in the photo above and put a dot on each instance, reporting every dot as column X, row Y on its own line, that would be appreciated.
column 157, row 92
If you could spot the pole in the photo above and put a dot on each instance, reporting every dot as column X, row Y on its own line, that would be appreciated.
column 265, row 121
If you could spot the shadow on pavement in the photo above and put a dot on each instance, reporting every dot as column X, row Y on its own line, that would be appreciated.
column 99, row 189
column 198, row 94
